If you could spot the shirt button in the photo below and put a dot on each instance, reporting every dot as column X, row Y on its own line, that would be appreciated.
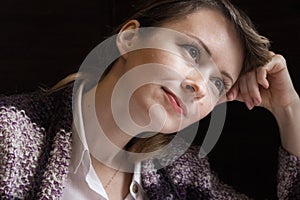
column 135, row 188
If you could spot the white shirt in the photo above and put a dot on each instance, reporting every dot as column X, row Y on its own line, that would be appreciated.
column 82, row 181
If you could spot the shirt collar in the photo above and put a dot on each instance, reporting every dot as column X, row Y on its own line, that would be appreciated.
column 79, row 145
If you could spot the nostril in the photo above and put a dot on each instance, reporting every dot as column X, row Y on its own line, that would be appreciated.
column 197, row 90
column 189, row 87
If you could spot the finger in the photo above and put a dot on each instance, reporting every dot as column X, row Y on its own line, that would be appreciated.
column 271, row 53
column 261, row 76
column 276, row 64
column 253, row 87
column 233, row 92
column 245, row 93
column 239, row 97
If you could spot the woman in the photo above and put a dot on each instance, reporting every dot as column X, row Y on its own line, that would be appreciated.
column 200, row 54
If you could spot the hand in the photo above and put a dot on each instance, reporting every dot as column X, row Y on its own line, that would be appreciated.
column 269, row 86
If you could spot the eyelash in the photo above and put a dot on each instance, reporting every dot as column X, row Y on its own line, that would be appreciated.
column 224, row 88
column 192, row 46
column 188, row 47
column 225, row 85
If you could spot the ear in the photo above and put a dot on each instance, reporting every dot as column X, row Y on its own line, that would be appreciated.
column 126, row 37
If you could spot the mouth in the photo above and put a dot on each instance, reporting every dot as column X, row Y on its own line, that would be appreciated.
column 175, row 101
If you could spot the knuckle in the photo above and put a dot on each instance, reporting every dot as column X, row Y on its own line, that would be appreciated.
column 260, row 69
column 280, row 59
column 244, row 93
column 272, row 53
column 252, row 92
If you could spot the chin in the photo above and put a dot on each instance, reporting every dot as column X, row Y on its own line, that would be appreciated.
column 172, row 127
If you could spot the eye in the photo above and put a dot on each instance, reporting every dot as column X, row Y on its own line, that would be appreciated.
column 193, row 51
column 219, row 84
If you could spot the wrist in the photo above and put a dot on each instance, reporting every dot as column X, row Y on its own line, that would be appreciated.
column 288, row 119
column 286, row 111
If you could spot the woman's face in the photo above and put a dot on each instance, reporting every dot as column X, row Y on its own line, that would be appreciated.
column 187, row 71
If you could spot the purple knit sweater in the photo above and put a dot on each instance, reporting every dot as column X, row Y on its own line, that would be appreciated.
column 35, row 150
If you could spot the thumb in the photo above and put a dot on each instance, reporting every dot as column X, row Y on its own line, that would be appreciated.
column 234, row 93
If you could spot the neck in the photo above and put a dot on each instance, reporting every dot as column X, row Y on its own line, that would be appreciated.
column 102, row 132
column 115, row 182
column 105, row 115
column 105, row 139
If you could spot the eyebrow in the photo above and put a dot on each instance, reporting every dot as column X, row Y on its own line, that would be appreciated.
column 228, row 76
column 200, row 42
column 209, row 53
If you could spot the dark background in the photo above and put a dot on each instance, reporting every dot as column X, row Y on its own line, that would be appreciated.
column 43, row 41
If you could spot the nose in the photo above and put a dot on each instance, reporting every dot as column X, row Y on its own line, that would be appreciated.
column 197, row 89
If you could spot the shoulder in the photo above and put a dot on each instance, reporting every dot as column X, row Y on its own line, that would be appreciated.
column 187, row 175
column 19, row 128
column 189, row 167
column 21, row 143
column 181, row 161
column 180, row 153
column 32, row 125
column 38, row 107
column 28, row 117
column 18, row 132
column 36, row 99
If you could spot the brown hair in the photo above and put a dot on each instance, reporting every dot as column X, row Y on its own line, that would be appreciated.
column 153, row 13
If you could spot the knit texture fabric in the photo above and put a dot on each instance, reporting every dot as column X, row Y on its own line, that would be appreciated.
column 35, row 145
column 35, row 150
column 190, row 177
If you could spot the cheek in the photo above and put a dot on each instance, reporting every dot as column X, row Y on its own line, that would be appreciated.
column 204, row 108
column 140, row 103
column 169, row 60
column 144, row 97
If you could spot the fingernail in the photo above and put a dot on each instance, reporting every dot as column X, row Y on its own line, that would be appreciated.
column 249, row 105
column 256, row 101
column 230, row 96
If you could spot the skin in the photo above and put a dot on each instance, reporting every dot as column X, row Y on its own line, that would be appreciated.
column 226, row 54
column 269, row 86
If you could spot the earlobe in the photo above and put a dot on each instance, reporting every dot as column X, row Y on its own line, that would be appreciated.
column 126, row 37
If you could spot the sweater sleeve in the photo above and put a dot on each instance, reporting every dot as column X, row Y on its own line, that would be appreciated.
column 206, row 178
column 288, row 176
column 188, row 177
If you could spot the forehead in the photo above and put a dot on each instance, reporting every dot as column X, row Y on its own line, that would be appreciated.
column 217, row 33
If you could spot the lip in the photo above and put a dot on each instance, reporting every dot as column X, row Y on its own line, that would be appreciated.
column 175, row 102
